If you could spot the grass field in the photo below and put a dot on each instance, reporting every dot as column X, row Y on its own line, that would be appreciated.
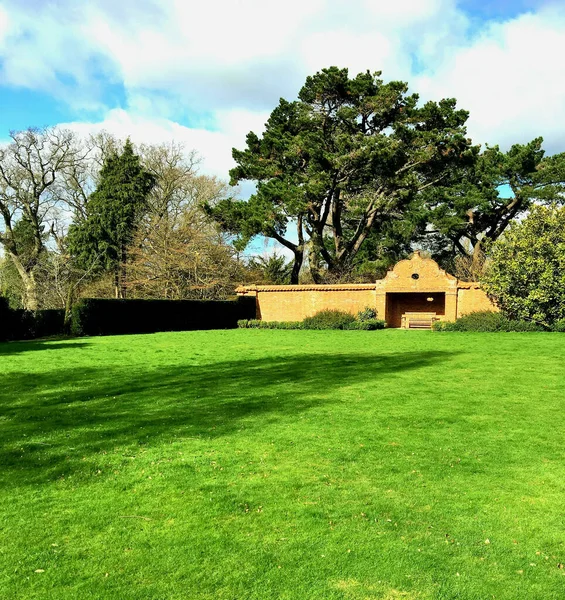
column 255, row 464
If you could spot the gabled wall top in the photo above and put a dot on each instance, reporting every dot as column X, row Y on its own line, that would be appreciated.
column 417, row 274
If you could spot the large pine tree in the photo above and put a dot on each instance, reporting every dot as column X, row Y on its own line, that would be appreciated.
column 113, row 213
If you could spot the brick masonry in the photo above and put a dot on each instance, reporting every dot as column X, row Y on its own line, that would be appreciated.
column 414, row 285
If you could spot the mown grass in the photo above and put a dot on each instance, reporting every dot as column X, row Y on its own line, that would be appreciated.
column 256, row 464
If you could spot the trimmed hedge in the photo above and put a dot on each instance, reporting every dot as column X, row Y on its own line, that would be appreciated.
column 486, row 322
column 94, row 316
column 28, row 325
column 258, row 324
column 328, row 319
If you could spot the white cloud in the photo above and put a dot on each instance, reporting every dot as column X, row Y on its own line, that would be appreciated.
column 213, row 146
column 222, row 65
column 511, row 78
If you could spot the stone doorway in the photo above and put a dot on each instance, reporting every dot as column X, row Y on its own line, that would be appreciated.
column 400, row 303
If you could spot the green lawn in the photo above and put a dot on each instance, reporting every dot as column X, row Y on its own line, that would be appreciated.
column 255, row 464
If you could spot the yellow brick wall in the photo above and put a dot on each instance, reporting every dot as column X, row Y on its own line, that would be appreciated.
column 296, row 305
column 473, row 299
column 419, row 276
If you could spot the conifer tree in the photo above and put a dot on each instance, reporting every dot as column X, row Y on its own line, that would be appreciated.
column 113, row 213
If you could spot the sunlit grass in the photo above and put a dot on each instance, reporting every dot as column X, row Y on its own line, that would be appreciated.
column 257, row 464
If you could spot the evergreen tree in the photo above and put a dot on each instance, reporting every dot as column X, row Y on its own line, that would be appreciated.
column 113, row 213
column 344, row 160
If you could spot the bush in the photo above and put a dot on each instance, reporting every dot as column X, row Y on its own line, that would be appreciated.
column 526, row 268
column 94, row 316
column 328, row 319
column 367, row 325
column 486, row 322
column 367, row 314
column 257, row 324
column 559, row 326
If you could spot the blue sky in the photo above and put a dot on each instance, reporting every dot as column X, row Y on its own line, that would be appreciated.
column 207, row 73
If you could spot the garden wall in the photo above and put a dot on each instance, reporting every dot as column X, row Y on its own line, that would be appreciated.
column 472, row 299
column 419, row 282
column 296, row 302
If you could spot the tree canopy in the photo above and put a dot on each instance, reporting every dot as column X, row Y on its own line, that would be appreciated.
column 494, row 191
column 342, row 161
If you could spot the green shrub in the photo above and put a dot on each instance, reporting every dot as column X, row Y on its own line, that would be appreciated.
column 257, row 324
column 559, row 326
column 486, row 322
column 439, row 326
column 367, row 314
column 328, row 319
column 367, row 325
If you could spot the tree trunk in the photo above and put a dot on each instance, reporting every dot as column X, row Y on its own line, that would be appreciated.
column 477, row 261
column 298, row 260
column 117, row 287
column 314, row 263
column 123, row 272
column 30, row 300
column 68, row 309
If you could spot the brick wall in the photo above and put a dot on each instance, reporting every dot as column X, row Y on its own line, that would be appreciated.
column 295, row 303
column 405, row 288
column 473, row 299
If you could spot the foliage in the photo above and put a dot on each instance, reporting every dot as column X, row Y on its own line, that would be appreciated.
column 259, row 324
column 347, row 158
column 477, row 209
column 93, row 316
column 367, row 314
column 559, row 326
column 486, row 321
column 113, row 213
column 328, row 319
column 273, row 269
column 367, row 324
column 526, row 271
column 182, row 259
column 275, row 454
column 322, row 320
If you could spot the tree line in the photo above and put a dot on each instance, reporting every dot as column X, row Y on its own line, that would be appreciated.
column 349, row 178
column 98, row 217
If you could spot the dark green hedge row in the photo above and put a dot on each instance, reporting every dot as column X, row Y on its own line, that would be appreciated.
column 111, row 317
column 28, row 325
column 486, row 322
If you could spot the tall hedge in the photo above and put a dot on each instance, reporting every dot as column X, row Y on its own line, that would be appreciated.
column 28, row 325
column 93, row 316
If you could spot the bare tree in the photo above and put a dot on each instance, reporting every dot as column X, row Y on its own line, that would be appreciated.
column 29, row 167
column 179, row 253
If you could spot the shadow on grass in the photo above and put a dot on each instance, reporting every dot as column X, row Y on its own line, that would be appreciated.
column 51, row 423
column 8, row 348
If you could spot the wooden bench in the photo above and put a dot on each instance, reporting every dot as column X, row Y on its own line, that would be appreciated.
column 418, row 320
